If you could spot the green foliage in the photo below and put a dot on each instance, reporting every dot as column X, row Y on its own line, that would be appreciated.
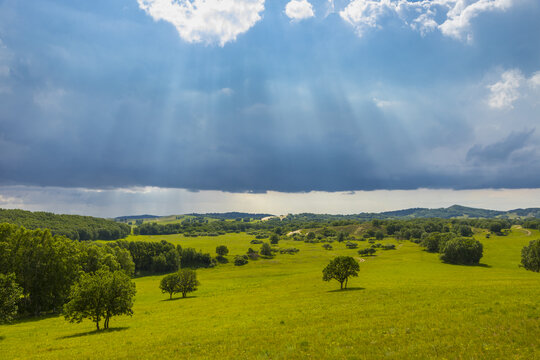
column 530, row 256
column 10, row 295
column 274, row 239
column 72, row 226
column 187, row 281
column 222, row 250
column 435, row 241
column 44, row 265
column 367, row 251
column 100, row 295
column 351, row 245
column 340, row 269
column 240, row 260
column 327, row 247
column 170, row 284
column 462, row 251
column 266, row 250
column 379, row 235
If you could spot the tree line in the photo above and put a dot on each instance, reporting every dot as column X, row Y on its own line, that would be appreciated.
column 75, row 227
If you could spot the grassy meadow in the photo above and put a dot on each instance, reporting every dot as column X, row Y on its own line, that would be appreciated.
column 404, row 304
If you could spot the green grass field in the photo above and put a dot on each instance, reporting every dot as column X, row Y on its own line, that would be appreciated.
column 405, row 304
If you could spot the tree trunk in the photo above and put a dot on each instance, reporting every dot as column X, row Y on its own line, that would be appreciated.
column 97, row 324
column 346, row 282
column 184, row 294
column 170, row 297
column 341, row 284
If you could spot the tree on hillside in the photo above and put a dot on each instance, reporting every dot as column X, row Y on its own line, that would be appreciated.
column 10, row 295
column 462, row 251
column 100, row 296
column 340, row 269
column 188, row 281
column 530, row 256
column 170, row 284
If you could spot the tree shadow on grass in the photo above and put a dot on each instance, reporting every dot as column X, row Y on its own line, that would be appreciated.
column 93, row 332
column 470, row 265
column 2, row 337
column 180, row 298
column 347, row 289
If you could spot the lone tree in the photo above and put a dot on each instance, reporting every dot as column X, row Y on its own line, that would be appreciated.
column 187, row 281
column 462, row 251
column 170, row 284
column 100, row 295
column 10, row 294
column 340, row 269
column 530, row 256
column 222, row 250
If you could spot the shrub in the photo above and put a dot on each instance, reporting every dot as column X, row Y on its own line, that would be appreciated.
column 255, row 241
column 389, row 247
column 367, row 251
column 222, row 250
column 266, row 250
column 351, row 245
column 274, row 239
column 462, row 251
column 327, row 246
column 530, row 256
column 290, row 251
column 240, row 260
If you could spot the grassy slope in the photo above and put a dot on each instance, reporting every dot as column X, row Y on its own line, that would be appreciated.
column 405, row 304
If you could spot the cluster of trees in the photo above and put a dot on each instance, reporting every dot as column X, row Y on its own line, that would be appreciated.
column 162, row 256
column 38, row 270
column 74, row 227
column 183, row 281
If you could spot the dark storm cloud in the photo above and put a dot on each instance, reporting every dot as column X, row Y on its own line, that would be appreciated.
column 100, row 96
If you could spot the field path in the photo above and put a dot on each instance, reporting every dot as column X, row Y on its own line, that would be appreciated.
column 294, row 232
column 519, row 227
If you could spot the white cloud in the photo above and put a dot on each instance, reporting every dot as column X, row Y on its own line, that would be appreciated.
column 420, row 15
column 513, row 85
column 299, row 10
column 534, row 81
column 206, row 21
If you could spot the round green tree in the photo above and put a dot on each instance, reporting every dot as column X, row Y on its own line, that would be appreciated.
column 187, row 281
column 100, row 296
column 170, row 284
column 340, row 269
column 530, row 256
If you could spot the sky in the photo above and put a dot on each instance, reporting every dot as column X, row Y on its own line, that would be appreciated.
column 118, row 107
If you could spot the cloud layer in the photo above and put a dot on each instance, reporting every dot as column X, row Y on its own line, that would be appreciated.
column 120, row 102
column 451, row 17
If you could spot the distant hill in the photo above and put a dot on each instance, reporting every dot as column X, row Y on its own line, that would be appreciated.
column 454, row 211
column 231, row 215
column 135, row 217
column 75, row 227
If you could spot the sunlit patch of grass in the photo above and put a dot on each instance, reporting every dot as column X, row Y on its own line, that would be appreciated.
column 404, row 304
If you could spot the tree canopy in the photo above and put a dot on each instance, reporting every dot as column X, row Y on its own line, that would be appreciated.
column 340, row 269
column 100, row 296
